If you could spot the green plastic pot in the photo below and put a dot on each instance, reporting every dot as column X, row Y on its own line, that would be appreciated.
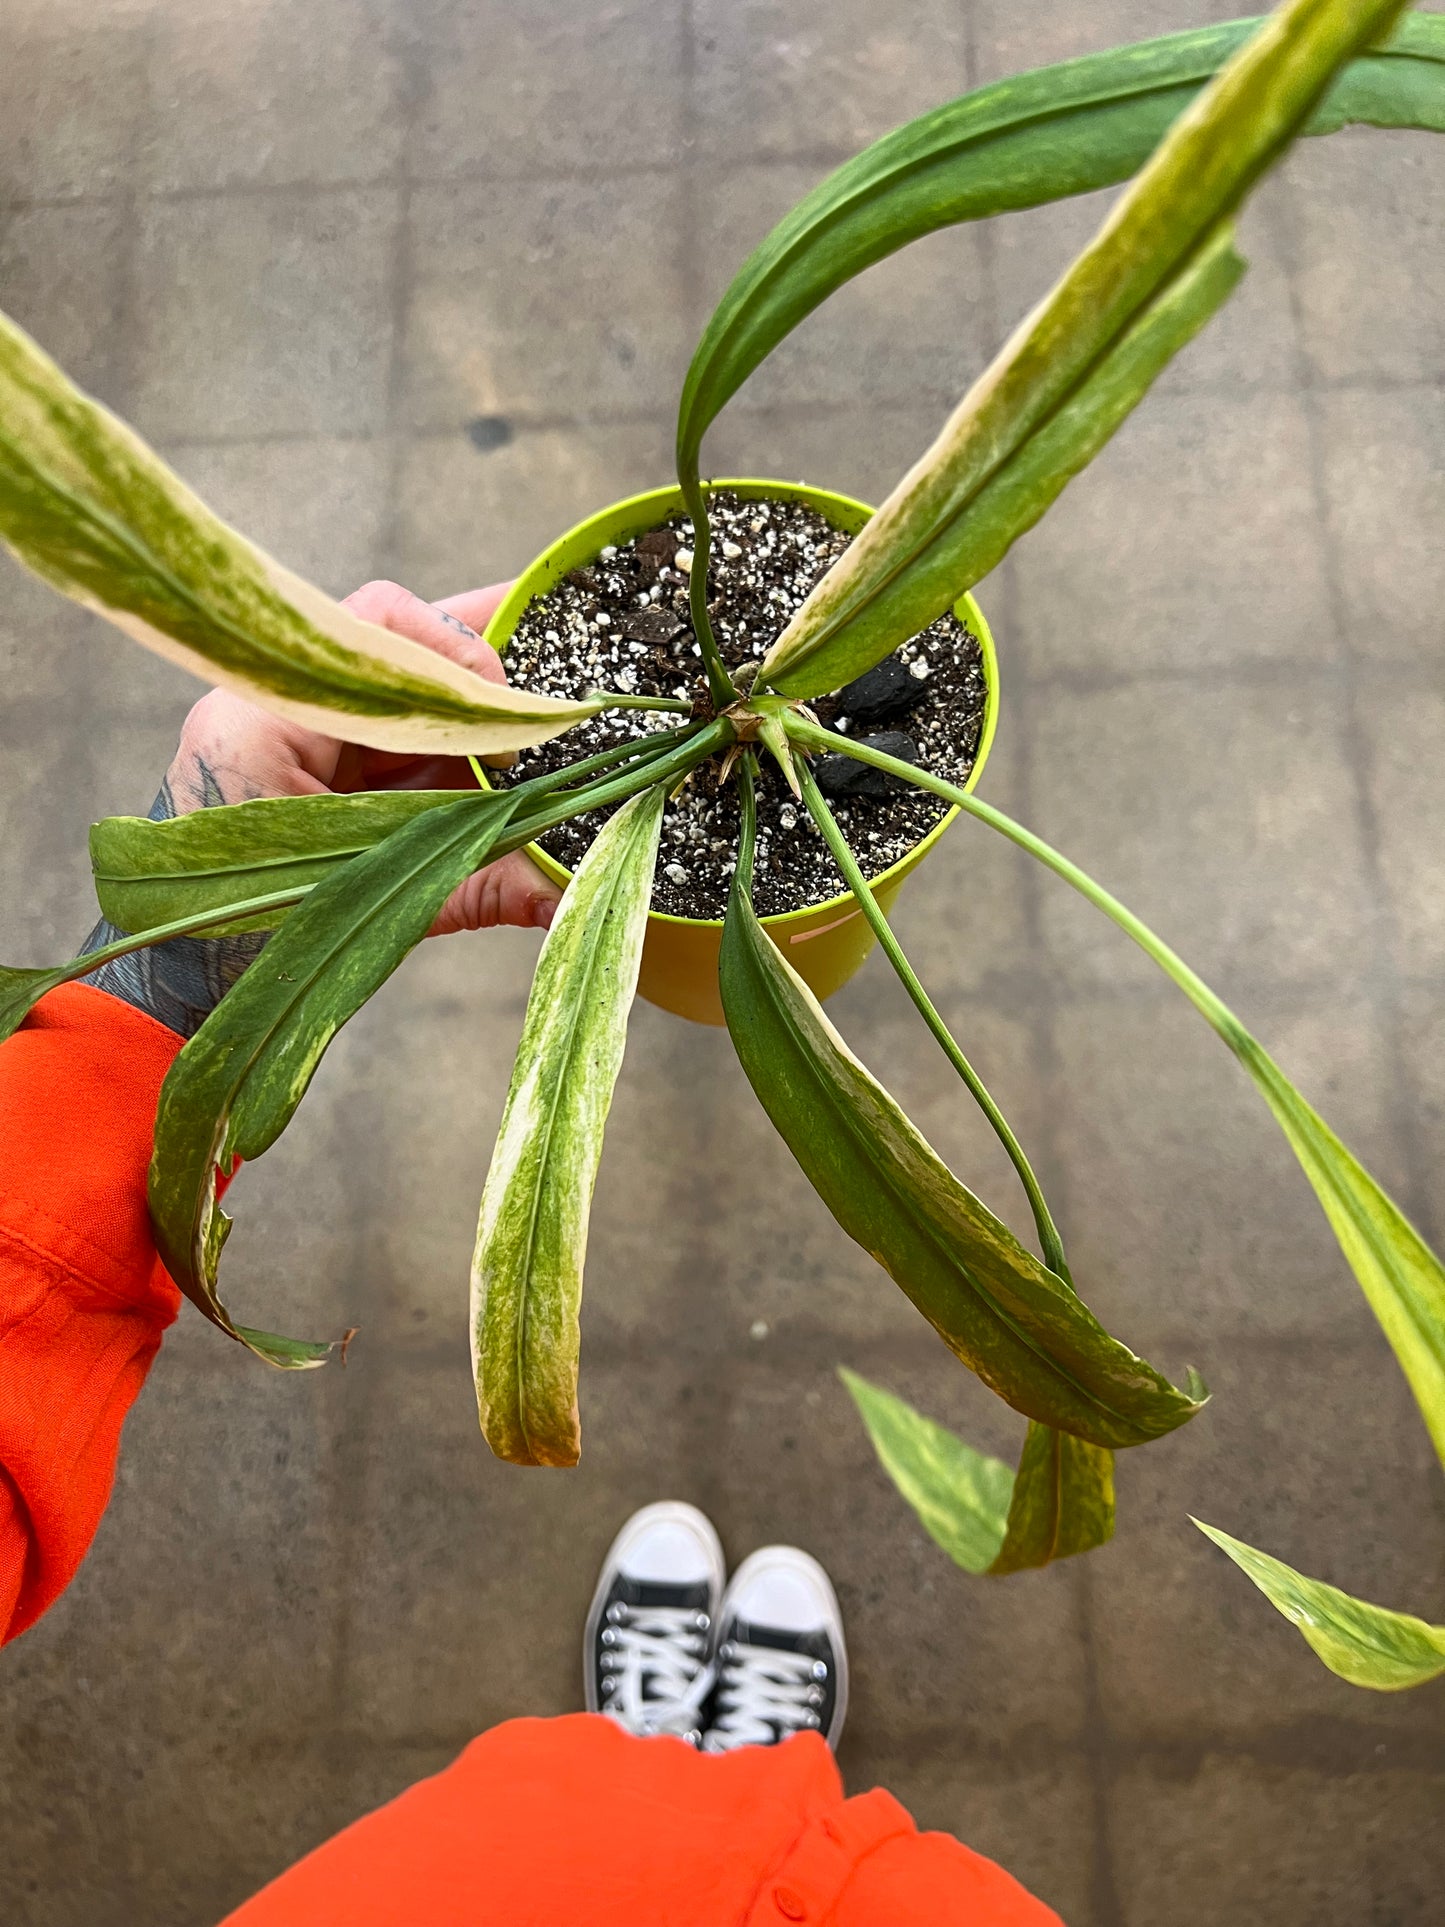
column 826, row 942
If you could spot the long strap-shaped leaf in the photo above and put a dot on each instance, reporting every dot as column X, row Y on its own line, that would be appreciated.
column 88, row 506
column 148, row 873
column 234, row 1087
column 1366, row 1645
column 1036, row 137
column 1019, row 491
column 902, row 570
column 532, row 1232
column 986, row 1518
column 1401, row 1277
column 1050, row 1242
column 1021, row 1328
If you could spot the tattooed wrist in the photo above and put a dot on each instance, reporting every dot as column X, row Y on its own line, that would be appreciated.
column 181, row 981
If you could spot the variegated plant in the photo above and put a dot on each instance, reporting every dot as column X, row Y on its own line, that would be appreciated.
column 349, row 884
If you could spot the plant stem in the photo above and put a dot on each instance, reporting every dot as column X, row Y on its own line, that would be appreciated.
column 191, row 926
column 748, row 833
column 721, row 684
column 615, row 699
column 696, row 747
column 1049, row 1239
column 1212, row 1008
column 638, row 746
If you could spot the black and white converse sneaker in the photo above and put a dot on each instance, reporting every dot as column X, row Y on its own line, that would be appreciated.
column 781, row 1663
column 649, row 1630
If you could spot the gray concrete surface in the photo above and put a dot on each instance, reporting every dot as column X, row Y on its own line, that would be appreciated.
column 303, row 246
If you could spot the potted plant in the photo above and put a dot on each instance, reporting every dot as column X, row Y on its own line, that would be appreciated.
column 720, row 656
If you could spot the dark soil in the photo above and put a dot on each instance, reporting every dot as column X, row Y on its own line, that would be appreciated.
column 622, row 623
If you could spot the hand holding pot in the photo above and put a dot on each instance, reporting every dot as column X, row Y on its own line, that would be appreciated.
column 232, row 751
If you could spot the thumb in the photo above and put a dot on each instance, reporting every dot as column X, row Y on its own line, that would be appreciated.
column 435, row 625
column 438, row 626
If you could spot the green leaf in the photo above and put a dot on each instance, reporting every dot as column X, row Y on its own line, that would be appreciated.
column 532, row 1233
column 1063, row 1501
column 986, row 1518
column 1366, row 1645
column 149, row 873
column 1399, row 1274
column 1060, row 130
column 234, row 1087
column 88, row 506
column 1020, row 1327
column 961, row 1496
column 1154, row 271
column 1401, row 1277
column 21, row 990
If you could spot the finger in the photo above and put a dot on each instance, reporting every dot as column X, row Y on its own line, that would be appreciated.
column 510, row 891
column 433, row 627
column 476, row 607
column 473, row 611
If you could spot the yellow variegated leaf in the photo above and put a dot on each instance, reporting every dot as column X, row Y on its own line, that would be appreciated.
column 1366, row 1645
column 986, row 1518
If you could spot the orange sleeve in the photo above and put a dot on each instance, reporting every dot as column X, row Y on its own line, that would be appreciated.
column 83, row 1296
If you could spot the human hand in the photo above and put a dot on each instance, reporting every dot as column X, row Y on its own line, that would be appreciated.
column 233, row 751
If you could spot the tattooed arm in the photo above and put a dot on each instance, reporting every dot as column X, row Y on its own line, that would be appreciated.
column 178, row 983
column 232, row 751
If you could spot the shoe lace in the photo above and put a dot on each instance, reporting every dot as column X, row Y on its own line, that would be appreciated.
column 654, row 1678
column 764, row 1694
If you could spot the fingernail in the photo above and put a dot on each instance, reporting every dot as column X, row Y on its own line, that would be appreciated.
column 543, row 911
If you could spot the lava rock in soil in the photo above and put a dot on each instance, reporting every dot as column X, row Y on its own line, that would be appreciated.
column 886, row 690
column 840, row 775
column 623, row 622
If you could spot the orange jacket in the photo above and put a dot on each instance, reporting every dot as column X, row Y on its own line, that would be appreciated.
column 573, row 1823
column 540, row 1823
column 83, row 1297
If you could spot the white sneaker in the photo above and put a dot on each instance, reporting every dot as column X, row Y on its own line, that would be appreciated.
column 644, row 1658
column 782, row 1666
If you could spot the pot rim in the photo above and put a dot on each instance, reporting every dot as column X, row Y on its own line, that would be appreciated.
column 543, row 573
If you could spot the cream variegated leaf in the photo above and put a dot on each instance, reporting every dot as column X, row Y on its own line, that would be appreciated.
column 95, row 512
column 532, row 1232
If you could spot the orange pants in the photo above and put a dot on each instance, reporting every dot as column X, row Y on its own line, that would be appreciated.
column 561, row 1823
